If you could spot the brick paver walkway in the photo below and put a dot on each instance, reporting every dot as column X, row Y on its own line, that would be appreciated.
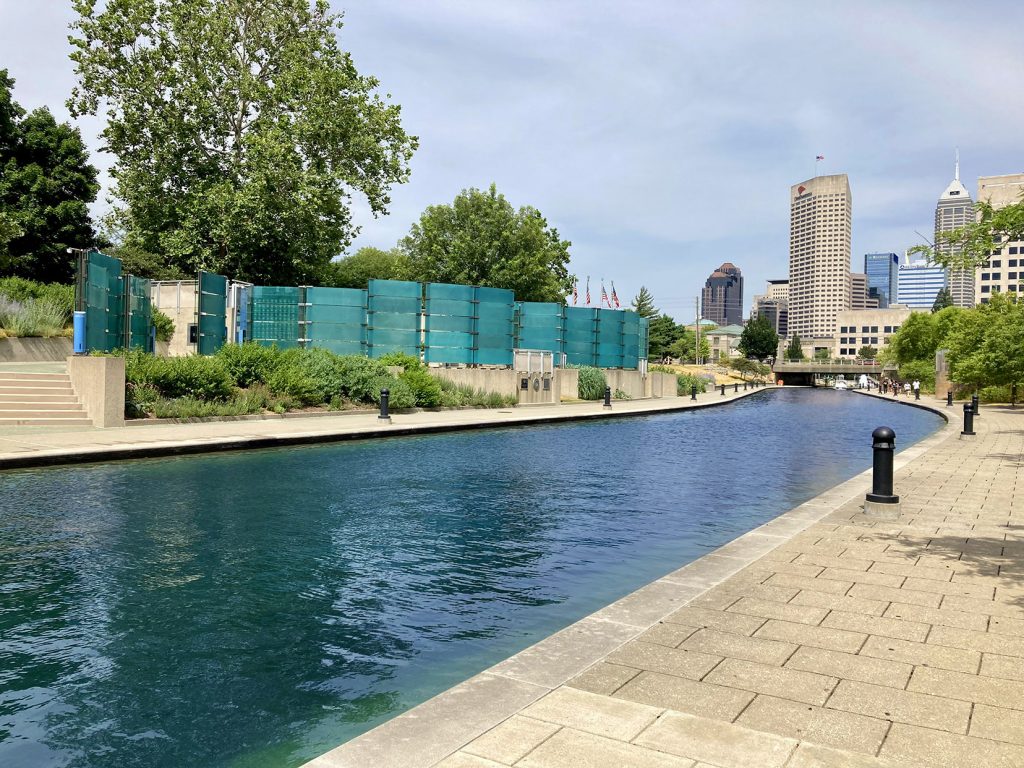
column 853, row 643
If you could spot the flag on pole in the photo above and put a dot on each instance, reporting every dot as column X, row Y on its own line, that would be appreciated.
column 575, row 291
column 604, row 296
column 819, row 157
column 588, row 290
column 615, row 297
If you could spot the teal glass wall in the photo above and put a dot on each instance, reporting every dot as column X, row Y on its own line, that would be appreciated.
column 393, row 314
column 335, row 319
column 117, row 306
column 274, row 316
column 211, row 311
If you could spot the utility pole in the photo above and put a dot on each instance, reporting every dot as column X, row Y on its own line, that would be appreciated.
column 696, row 346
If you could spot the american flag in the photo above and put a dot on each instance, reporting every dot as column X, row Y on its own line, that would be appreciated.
column 575, row 292
column 588, row 291
column 604, row 295
column 615, row 297
column 819, row 157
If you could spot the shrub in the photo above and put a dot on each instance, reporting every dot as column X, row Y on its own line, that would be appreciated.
column 922, row 370
column 292, row 380
column 621, row 394
column 249, row 363
column 37, row 317
column 21, row 290
column 139, row 399
column 408, row 362
column 163, row 324
column 204, row 378
column 425, row 387
column 685, row 382
column 592, row 383
column 362, row 378
column 400, row 394
column 8, row 309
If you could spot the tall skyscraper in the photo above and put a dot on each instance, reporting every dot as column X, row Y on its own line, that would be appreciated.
column 1005, row 269
column 955, row 209
column 859, row 291
column 819, row 255
column 774, row 305
column 919, row 283
column 723, row 296
column 882, row 270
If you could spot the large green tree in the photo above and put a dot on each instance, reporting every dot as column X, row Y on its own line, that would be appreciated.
column 985, row 344
column 367, row 263
column 795, row 350
column 46, row 185
column 480, row 239
column 643, row 303
column 943, row 299
column 759, row 339
column 663, row 333
column 241, row 131
column 970, row 246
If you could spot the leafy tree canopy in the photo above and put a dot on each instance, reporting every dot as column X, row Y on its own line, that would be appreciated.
column 969, row 246
column 943, row 299
column 795, row 350
column 46, row 185
column 367, row 263
column 759, row 339
column 663, row 333
column 643, row 303
column 241, row 131
column 868, row 352
column 480, row 239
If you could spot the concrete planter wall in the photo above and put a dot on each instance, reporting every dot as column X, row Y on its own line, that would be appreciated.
column 34, row 350
column 99, row 384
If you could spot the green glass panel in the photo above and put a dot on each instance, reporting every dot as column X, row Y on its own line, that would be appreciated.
column 449, row 323
column 338, row 297
column 448, row 355
column 394, row 321
column 446, row 307
column 330, row 313
column 398, row 288
column 495, row 295
column 528, row 308
column 447, row 291
column 493, row 357
column 442, row 339
column 393, row 304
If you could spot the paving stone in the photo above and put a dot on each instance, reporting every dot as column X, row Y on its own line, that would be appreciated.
column 915, row 571
column 819, row 637
column 901, row 706
column 987, row 642
column 921, row 654
column 511, row 740
column 833, row 561
column 590, row 712
column 721, row 744
column 862, row 577
column 466, row 760
column 949, row 588
column 948, row 750
column 762, row 591
column 603, row 678
column 969, row 687
column 711, row 641
column 769, row 610
column 816, row 756
column 987, row 607
column 893, row 595
column 717, row 599
column 997, row 723
column 573, row 748
column 761, row 678
column 670, row 635
column 828, row 586
column 843, row 730
column 1006, row 667
column 723, row 620
column 876, row 625
column 839, row 603
column 847, row 666
column 668, row 661
column 938, row 616
column 1004, row 625
column 684, row 695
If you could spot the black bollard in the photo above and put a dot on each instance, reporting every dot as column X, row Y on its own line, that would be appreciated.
column 744, row 386
column 736, row 387
column 723, row 390
column 384, row 416
column 883, row 443
column 693, row 391
column 607, row 397
column 968, row 420
column 974, row 404
column 949, row 398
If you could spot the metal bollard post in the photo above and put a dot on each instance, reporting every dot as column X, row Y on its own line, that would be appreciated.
column 723, row 390
column 882, row 502
column 974, row 404
column 736, row 387
column 744, row 386
column 384, row 415
column 608, row 397
column 968, row 429
column 917, row 394
column 949, row 398
column 693, row 391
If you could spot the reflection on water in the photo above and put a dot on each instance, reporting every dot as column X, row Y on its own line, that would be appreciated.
column 259, row 608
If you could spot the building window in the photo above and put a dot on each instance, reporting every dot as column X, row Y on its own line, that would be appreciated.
column 984, row 275
column 887, row 329
column 1013, row 250
column 984, row 288
column 996, row 263
column 874, row 340
column 1012, row 276
column 874, row 329
column 996, row 275
column 1013, row 262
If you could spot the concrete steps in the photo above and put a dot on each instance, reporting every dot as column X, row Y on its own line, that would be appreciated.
column 39, row 399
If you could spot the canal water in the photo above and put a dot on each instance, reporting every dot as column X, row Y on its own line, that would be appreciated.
column 256, row 609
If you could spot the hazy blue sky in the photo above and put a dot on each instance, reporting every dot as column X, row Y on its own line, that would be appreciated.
column 661, row 138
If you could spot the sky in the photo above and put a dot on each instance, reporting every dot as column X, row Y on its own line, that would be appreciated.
column 661, row 137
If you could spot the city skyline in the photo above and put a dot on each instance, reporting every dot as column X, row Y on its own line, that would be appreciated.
column 597, row 128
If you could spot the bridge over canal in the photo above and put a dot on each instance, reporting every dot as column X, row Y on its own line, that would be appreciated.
column 807, row 371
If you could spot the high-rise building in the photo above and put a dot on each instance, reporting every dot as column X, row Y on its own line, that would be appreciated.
column 774, row 305
column 723, row 296
column 1005, row 268
column 859, row 291
column 919, row 283
column 955, row 209
column 819, row 255
column 882, row 270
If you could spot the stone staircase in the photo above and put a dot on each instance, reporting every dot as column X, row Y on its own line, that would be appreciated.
column 39, row 399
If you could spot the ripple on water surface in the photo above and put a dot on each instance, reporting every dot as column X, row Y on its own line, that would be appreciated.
column 256, row 609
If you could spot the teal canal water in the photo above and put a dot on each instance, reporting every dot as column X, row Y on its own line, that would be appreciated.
column 256, row 609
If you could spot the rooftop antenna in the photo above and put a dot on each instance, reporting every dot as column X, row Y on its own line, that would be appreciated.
column 957, row 174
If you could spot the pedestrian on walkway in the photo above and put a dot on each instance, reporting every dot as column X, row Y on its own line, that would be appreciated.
column 917, row 387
